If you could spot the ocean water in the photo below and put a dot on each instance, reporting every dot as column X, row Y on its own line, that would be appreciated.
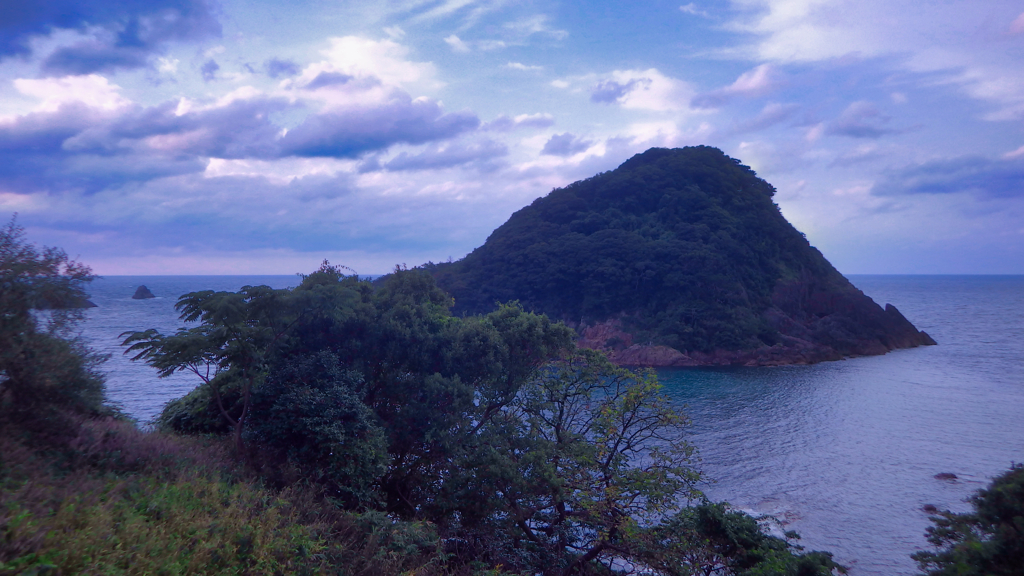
column 845, row 453
column 134, row 385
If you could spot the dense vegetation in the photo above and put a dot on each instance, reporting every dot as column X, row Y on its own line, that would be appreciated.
column 523, row 453
column 988, row 541
column 354, row 430
column 44, row 369
column 686, row 244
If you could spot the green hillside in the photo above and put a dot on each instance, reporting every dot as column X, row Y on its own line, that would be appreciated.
column 683, row 248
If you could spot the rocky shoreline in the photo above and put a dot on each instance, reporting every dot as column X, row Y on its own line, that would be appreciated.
column 815, row 321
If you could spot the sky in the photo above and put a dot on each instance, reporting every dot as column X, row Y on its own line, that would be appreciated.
column 230, row 137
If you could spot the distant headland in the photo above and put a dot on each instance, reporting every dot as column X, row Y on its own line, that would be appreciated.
column 679, row 257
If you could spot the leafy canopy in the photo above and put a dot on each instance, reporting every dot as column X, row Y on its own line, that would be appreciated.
column 42, row 364
column 527, row 455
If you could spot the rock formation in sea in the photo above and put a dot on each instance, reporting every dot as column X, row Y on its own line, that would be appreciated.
column 142, row 293
column 676, row 258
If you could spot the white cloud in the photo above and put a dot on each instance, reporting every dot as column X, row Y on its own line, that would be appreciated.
column 692, row 8
column 29, row 203
column 504, row 123
column 92, row 90
column 537, row 24
column 651, row 90
column 521, row 66
column 384, row 59
column 279, row 171
column 754, row 81
column 1018, row 153
column 962, row 40
column 757, row 82
column 814, row 133
column 456, row 44
column 633, row 89
column 394, row 32
column 1017, row 26
column 167, row 65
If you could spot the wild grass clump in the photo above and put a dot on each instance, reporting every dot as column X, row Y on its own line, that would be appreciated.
column 117, row 500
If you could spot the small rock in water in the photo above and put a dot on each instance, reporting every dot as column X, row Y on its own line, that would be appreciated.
column 945, row 476
column 930, row 508
column 141, row 293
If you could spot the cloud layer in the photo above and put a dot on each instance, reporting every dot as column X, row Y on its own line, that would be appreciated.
column 183, row 131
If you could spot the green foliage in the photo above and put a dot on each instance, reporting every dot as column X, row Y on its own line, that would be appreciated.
column 119, row 501
column 712, row 538
column 409, row 384
column 237, row 336
column 196, row 412
column 525, row 454
column 42, row 366
column 686, row 243
column 312, row 416
column 585, row 454
column 987, row 541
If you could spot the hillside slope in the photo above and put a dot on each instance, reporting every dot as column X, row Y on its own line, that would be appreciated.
column 678, row 257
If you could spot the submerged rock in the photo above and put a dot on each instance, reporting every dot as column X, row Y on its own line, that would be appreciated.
column 142, row 293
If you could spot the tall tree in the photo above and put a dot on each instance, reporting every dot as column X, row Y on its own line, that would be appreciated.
column 41, row 361
column 232, row 345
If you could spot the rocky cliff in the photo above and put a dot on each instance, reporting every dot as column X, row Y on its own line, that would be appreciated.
column 677, row 258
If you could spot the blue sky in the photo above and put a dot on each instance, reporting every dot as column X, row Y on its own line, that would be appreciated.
column 202, row 137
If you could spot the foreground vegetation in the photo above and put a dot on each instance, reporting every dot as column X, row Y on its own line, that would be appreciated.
column 343, row 428
column 989, row 540
column 105, row 498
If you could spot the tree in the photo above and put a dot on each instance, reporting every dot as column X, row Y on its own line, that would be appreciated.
column 42, row 363
column 240, row 335
column 989, row 541
column 585, row 455
column 587, row 471
column 232, row 346
column 526, row 453
column 310, row 422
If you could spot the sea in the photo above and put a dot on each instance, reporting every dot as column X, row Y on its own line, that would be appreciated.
column 845, row 453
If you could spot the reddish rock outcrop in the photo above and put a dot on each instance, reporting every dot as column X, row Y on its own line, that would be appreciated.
column 817, row 320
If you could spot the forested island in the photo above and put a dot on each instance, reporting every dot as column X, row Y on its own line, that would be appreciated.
column 676, row 258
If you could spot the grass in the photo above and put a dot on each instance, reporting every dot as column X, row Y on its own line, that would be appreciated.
column 113, row 500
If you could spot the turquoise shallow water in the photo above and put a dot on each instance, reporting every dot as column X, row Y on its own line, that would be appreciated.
column 843, row 452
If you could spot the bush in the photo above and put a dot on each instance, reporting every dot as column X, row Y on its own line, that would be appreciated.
column 988, row 541
column 310, row 416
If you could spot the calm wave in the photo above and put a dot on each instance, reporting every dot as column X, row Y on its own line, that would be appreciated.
column 843, row 452
column 846, row 452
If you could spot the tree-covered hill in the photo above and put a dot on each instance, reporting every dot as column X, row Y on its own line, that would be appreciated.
column 684, row 253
